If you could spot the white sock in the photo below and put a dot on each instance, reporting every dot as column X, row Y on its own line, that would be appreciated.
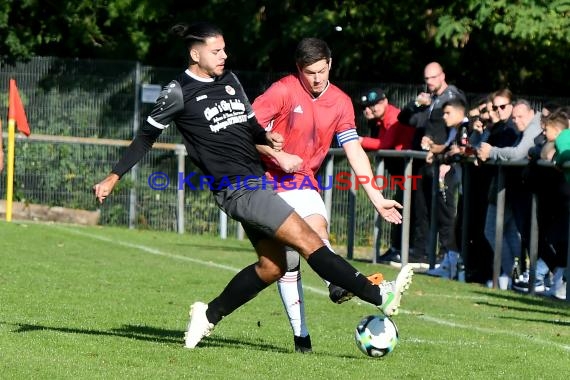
column 291, row 292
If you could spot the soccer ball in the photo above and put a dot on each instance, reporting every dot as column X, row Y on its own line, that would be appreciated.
column 376, row 335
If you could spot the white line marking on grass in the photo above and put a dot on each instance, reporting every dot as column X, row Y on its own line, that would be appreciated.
column 454, row 342
column 425, row 317
column 152, row 251
column 491, row 331
column 158, row 252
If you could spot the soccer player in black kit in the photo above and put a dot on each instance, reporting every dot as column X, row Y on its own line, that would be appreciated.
column 212, row 113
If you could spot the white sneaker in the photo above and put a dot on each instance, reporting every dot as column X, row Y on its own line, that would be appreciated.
column 505, row 282
column 404, row 278
column 199, row 326
column 558, row 288
column 391, row 291
column 560, row 293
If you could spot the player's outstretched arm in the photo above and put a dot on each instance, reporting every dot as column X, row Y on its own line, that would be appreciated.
column 105, row 187
column 360, row 164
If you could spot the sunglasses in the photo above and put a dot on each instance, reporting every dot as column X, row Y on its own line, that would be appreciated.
column 502, row 106
column 483, row 110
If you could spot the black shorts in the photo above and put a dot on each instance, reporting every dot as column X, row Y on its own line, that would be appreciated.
column 256, row 206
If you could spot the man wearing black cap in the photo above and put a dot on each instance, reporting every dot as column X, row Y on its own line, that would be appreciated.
column 391, row 134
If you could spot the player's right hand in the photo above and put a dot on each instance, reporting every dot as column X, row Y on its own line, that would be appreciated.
column 105, row 187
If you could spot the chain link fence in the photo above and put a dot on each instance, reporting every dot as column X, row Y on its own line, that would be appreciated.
column 102, row 100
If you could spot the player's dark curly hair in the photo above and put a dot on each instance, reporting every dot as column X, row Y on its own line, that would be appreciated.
column 311, row 50
column 196, row 32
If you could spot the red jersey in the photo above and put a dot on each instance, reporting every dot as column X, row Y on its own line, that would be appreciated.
column 391, row 133
column 307, row 124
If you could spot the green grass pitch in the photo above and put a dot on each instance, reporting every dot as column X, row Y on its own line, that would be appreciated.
column 110, row 303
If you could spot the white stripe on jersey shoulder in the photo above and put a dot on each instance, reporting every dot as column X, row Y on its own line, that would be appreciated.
column 200, row 79
column 346, row 136
column 269, row 126
column 155, row 123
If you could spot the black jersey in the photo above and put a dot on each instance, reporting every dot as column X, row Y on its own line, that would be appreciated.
column 217, row 125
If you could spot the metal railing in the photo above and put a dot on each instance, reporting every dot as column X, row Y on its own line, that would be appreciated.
column 346, row 213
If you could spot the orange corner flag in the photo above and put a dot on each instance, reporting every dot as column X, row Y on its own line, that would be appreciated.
column 16, row 110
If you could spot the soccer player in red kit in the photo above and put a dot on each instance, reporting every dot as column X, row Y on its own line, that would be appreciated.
column 309, row 111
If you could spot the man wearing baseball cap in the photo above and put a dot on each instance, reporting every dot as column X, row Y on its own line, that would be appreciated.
column 391, row 134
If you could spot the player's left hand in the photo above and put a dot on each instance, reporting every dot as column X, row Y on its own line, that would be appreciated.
column 289, row 163
column 274, row 140
column 388, row 209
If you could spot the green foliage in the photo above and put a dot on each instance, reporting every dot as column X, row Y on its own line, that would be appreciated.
column 484, row 44
column 526, row 21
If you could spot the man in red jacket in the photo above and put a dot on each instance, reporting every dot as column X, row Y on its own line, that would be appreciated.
column 391, row 134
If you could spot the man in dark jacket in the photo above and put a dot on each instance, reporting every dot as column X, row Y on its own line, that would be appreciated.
column 426, row 114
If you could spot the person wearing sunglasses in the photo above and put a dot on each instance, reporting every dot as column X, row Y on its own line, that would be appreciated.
column 517, row 208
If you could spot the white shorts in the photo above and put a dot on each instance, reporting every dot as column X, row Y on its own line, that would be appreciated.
column 305, row 202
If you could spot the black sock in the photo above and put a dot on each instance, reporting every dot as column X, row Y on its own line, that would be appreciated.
column 338, row 271
column 243, row 287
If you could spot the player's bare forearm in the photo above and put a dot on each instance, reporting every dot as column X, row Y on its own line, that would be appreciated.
column 289, row 163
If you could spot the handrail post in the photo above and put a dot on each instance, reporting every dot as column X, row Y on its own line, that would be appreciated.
column 466, row 212
column 351, row 220
column 533, row 246
column 135, row 170
column 376, row 240
column 406, row 212
column 180, row 154
column 499, row 223
column 433, row 228
column 328, row 187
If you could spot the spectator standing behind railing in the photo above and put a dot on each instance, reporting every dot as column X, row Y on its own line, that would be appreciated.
column 556, row 129
column 449, row 154
column 391, row 134
column 518, row 199
column 500, row 132
column 477, row 252
column 426, row 114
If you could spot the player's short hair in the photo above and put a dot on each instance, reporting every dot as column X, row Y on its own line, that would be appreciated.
column 196, row 32
column 311, row 50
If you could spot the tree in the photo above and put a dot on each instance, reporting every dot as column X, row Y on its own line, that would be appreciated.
column 483, row 44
